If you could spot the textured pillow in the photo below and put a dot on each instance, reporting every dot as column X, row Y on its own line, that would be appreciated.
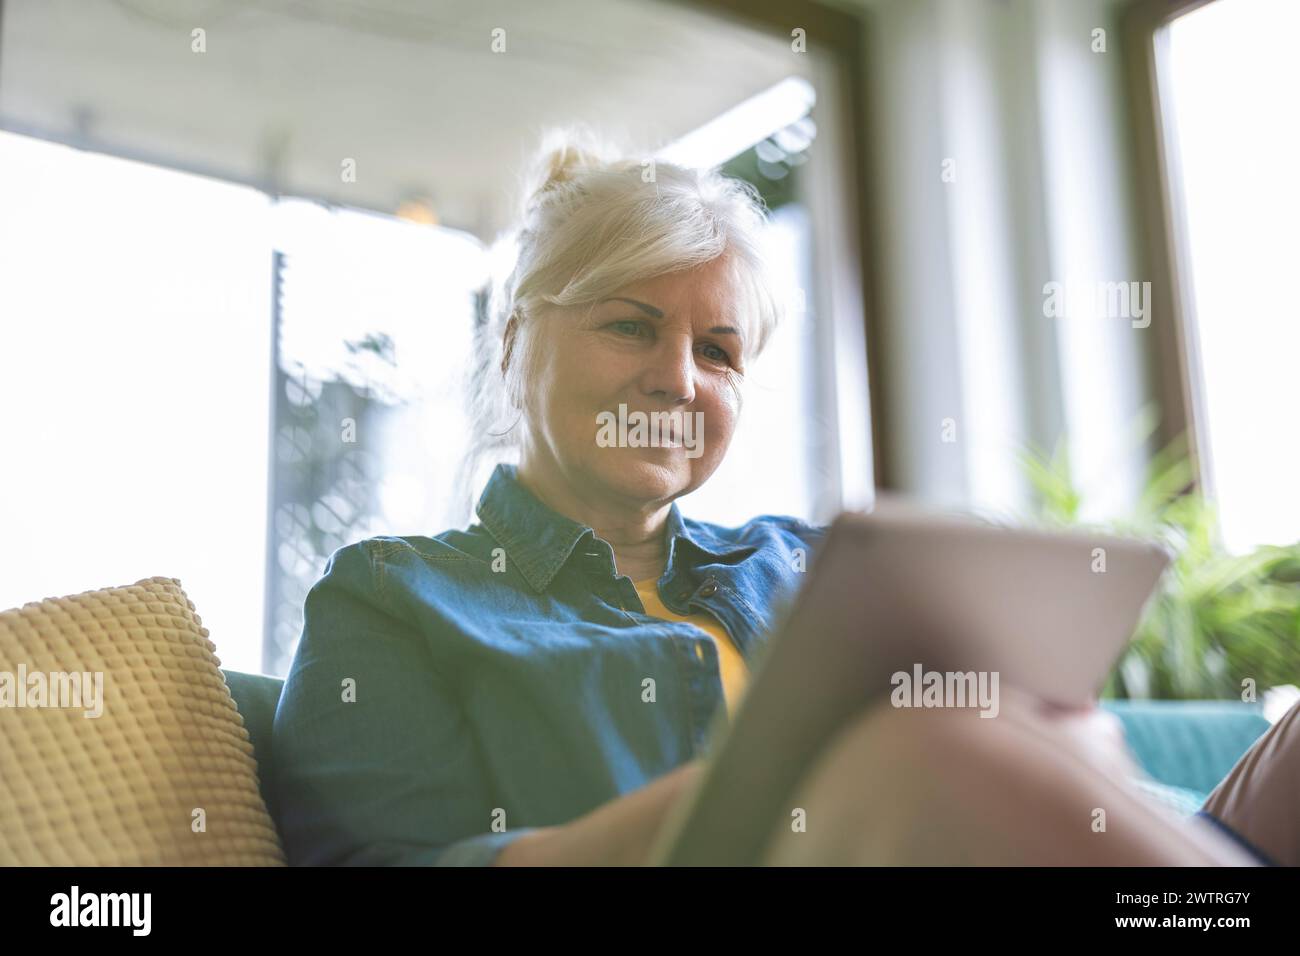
column 164, row 776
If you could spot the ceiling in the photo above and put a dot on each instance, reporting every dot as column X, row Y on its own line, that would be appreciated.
column 287, row 90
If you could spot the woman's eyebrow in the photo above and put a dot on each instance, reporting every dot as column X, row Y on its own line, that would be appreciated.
column 652, row 311
column 644, row 307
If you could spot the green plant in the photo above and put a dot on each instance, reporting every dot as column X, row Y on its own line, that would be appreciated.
column 1218, row 619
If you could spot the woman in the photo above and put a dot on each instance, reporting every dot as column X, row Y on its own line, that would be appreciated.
column 539, row 687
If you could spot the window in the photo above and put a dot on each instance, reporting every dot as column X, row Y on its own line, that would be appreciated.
column 1228, row 82
column 148, row 401
column 374, row 319
column 134, row 374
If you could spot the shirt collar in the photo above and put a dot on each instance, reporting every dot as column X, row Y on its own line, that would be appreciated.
column 539, row 540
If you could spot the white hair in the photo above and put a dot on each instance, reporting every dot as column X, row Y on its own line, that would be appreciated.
column 594, row 221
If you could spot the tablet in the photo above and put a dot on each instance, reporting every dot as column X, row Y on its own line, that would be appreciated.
column 923, row 609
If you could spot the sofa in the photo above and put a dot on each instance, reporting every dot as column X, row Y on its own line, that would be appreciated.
column 1185, row 747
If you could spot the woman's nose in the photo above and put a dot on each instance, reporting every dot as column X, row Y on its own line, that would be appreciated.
column 670, row 371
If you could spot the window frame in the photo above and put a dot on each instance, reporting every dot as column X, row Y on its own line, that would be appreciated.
column 1175, row 356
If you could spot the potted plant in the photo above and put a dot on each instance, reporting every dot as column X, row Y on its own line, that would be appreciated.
column 1221, row 625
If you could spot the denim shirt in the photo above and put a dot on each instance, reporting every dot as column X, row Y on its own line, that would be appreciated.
column 452, row 693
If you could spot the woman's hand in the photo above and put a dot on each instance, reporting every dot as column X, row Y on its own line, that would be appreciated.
column 618, row 833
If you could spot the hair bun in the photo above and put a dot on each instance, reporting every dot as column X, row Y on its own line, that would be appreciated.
column 563, row 154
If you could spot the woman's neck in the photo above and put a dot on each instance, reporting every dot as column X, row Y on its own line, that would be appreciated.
column 636, row 534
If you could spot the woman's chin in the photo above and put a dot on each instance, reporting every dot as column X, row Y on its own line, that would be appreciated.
column 649, row 474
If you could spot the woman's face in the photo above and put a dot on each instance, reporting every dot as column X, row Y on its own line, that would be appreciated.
column 673, row 344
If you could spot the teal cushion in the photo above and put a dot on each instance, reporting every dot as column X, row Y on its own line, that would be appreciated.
column 1188, row 744
column 256, row 696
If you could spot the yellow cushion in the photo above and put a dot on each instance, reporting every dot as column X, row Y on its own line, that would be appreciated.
column 124, row 788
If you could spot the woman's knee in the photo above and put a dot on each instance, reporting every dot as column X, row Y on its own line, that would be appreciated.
column 900, row 786
column 927, row 741
column 880, row 783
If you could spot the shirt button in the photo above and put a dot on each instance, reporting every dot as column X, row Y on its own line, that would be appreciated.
column 710, row 588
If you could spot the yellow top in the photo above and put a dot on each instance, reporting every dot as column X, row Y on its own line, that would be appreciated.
column 731, row 665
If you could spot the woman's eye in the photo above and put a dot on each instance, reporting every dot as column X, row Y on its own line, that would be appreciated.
column 714, row 353
column 627, row 327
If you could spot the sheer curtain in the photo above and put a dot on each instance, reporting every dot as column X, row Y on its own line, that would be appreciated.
column 1003, row 165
